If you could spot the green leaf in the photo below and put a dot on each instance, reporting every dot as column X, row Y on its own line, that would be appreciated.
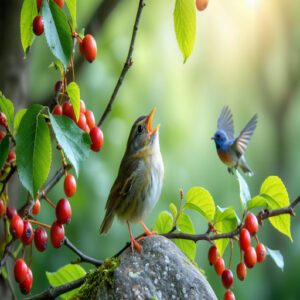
column 185, row 224
column 18, row 117
column 74, row 94
column 57, row 32
column 185, row 26
column 200, row 199
column 257, row 201
column 7, row 107
column 163, row 223
column 74, row 142
column 58, row 65
column 71, row 4
column 4, row 149
column 33, row 149
column 225, row 221
column 276, row 196
column 277, row 257
column 244, row 190
column 28, row 13
column 173, row 209
column 66, row 274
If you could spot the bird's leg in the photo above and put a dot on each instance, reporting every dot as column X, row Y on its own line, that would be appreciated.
column 134, row 244
column 147, row 231
column 230, row 170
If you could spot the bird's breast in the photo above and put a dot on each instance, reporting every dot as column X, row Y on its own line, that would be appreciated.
column 226, row 157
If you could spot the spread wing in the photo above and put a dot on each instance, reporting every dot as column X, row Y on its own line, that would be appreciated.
column 225, row 122
column 243, row 139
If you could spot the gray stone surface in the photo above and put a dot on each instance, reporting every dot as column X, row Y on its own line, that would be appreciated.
column 161, row 271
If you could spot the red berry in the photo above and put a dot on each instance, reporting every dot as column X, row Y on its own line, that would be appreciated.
column 38, row 25
column 38, row 4
column 81, row 51
column 28, row 233
column 58, row 86
column 3, row 120
column 251, row 223
column 97, row 139
column 81, row 123
column 68, row 110
column 36, row 207
column 245, row 239
column 20, row 270
column 63, row 211
column 40, row 239
column 2, row 134
column 60, row 3
column 261, row 252
column 2, row 208
column 219, row 266
column 227, row 278
column 11, row 212
column 241, row 271
column 82, row 106
column 89, row 47
column 57, row 233
column 250, row 257
column 70, row 185
column 201, row 4
column 17, row 226
column 26, row 285
column 11, row 156
column 90, row 119
column 213, row 255
column 57, row 110
column 229, row 295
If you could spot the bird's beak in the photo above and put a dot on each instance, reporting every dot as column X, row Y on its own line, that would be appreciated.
column 212, row 138
column 149, row 123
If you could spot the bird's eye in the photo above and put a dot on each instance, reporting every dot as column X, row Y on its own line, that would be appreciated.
column 140, row 129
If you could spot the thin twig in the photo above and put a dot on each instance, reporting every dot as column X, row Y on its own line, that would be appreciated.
column 8, row 248
column 126, row 66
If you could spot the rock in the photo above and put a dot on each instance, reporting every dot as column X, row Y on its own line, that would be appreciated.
column 161, row 271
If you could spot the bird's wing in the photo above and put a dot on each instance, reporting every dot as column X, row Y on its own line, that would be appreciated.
column 243, row 139
column 225, row 122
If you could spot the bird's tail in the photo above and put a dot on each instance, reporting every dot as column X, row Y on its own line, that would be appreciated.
column 107, row 222
column 244, row 167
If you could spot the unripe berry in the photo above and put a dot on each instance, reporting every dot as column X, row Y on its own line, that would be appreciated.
column 97, row 139
column 10, row 212
column 36, row 207
column 26, row 285
column 57, row 233
column 3, row 120
column 20, row 270
column 261, row 252
column 251, row 223
column 38, row 25
column 28, row 233
column 241, row 271
column 70, row 185
column 213, row 255
column 89, row 47
column 201, row 4
column 2, row 208
column 250, row 257
column 219, row 266
column 38, row 4
column 2, row 134
column 63, row 211
column 16, row 226
column 245, row 239
column 227, row 278
column 229, row 295
column 40, row 239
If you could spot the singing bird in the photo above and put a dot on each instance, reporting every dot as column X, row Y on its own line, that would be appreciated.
column 231, row 150
column 138, row 185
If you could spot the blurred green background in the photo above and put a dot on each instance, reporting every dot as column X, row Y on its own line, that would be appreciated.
column 246, row 56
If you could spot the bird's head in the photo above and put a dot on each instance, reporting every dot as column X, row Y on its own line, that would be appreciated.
column 142, row 135
column 220, row 138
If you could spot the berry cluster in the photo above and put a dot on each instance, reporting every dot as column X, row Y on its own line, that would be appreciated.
column 86, row 120
column 248, row 260
column 87, row 45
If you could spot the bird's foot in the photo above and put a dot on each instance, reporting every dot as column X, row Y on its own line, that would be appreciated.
column 231, row 170
column 147, row 231
column 135, row 245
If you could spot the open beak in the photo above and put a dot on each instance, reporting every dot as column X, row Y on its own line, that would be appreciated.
column 149, row 123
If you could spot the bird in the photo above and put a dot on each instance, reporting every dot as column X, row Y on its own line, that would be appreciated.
column 231, row 150
column 138, row 184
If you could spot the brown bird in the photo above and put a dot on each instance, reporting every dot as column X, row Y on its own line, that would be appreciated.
column 138, row 184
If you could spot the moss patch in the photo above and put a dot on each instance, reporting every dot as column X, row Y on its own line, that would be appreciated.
column 97, row 279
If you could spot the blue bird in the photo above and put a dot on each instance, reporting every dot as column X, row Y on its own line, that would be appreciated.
column 231, row 150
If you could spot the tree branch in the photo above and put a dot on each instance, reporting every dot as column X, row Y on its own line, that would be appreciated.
column 8, row 248
column 127, row 65
column 264, row 214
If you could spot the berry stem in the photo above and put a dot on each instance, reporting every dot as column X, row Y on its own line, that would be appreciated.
column 231, row 253
column 44, row 196
column 39, row 223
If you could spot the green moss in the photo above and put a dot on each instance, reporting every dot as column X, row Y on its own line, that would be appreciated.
column 97, row 279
